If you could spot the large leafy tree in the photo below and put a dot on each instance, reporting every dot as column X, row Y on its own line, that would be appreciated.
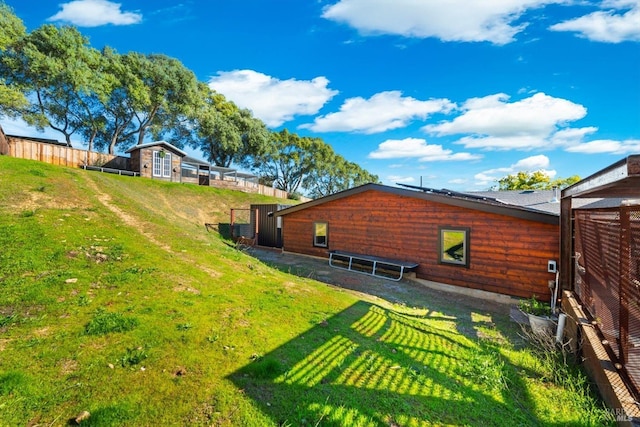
column 119, row 104
column 88, row 110
column 225, row 133
column 170, row 90
column 537, row 180
column 53, row 78
column 333, row 173
column 12, row 29
column 290, row 161
column 56, row 67
column 147, row 92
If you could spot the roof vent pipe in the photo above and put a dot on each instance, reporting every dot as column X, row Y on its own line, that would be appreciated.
column 555, row 194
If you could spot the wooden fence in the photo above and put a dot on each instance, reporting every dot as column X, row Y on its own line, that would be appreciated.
column 4, row 144
column 61, row 155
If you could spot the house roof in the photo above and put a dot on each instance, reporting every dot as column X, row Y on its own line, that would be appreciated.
column 621, row 179
column 476, row 201
column 154, row 144
column 193, row 161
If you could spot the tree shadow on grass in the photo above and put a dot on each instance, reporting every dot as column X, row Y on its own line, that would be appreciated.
column 369, row 365
column 465, row 311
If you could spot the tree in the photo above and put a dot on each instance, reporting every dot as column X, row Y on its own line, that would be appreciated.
column 169, row 90
column 146, row 93
column 538, row 180
column 88, row 111
column 55, row 66
column 333, row 173
column 12, row 29
column 118, row 104
column 565, row 182
column 225, row 133
column 292, row 157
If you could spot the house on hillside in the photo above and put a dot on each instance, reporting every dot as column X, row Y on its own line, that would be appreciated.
column 157, row 160
column 462, row 239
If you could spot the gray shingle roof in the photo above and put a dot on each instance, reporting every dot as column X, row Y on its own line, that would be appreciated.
column 542, row 200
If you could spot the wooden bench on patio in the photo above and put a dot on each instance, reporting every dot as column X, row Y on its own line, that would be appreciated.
column 385, row 268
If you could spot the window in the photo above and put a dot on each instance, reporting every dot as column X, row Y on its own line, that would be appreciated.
column 454, row 246
column 162, row 164
column 320, row 234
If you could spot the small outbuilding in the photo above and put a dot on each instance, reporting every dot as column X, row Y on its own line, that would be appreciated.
column 157, row 160
column 462, row 239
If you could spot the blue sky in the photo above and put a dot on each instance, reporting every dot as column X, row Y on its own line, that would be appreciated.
column 451, row 93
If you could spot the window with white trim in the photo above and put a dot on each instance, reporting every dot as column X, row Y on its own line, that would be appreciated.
column 162, row 164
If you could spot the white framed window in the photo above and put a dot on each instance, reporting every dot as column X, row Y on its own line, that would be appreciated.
column 162, row 164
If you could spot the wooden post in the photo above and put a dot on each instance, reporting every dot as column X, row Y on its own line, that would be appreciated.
column 233, row 217
column 566, row 244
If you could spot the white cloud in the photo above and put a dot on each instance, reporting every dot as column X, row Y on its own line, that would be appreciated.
column 607, row 146
column 417, row 148
column 484, row 180
column 572, row 140
column 494, row 123
column 270, row 99
column 448, row 20
column 571, row 136
column 94, row 13
column 620, row 22
column 382, row 112
column 457, row 181
column 532, row 163
column 528, row 164
column 401, row 179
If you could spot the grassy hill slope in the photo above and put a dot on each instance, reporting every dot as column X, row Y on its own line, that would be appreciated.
column 116, row 301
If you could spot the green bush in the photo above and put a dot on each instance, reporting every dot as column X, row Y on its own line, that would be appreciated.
column 105, row 323
column 535, row 307
column 133, row 357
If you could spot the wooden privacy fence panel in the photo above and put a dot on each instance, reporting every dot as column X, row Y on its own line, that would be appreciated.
column 61, row 155
column 607, row 278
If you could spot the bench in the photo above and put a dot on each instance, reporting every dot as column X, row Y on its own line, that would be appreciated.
column 385, row 268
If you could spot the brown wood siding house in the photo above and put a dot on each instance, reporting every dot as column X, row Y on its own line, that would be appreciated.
column 508, row 247
column 157, row 160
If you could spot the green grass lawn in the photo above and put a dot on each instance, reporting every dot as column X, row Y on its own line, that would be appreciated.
column 116, row 301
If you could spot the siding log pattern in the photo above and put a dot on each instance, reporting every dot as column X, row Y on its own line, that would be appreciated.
column 507, row 255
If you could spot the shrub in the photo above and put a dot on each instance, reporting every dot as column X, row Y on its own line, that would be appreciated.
column 133, row 356
column 535, row 307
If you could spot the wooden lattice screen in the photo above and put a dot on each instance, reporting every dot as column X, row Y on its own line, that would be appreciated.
column 607, row 278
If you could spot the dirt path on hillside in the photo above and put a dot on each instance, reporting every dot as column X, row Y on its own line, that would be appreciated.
column 130, row 220
column 139, row 225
